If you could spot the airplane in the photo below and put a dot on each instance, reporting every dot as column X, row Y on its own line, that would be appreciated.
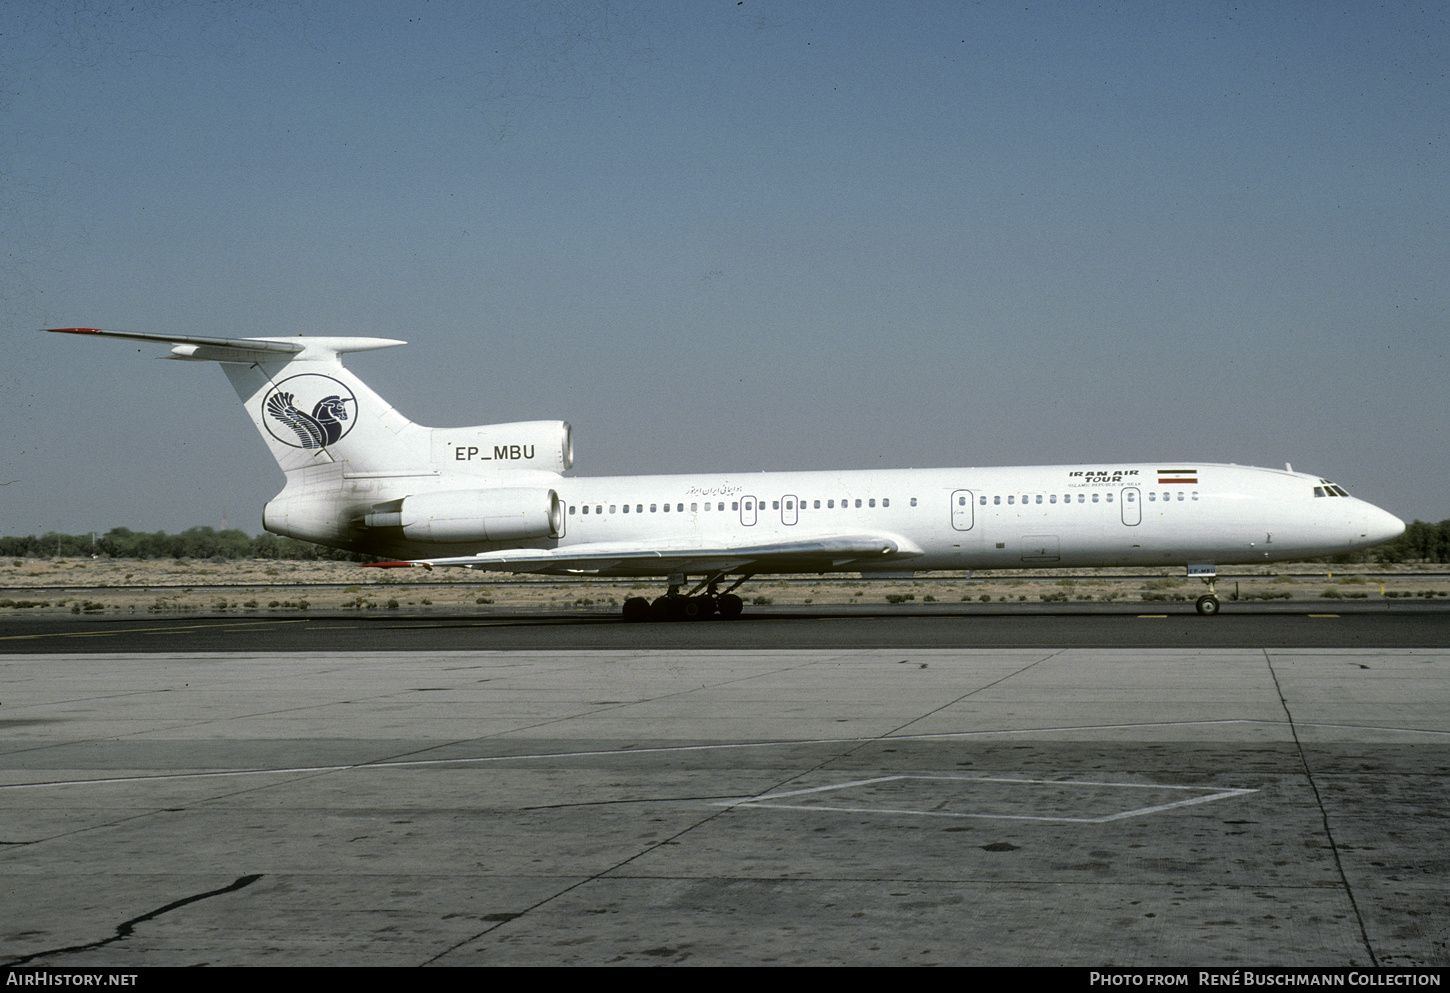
column 495, row 497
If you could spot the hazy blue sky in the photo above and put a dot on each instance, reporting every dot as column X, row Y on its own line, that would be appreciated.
column 735, row 236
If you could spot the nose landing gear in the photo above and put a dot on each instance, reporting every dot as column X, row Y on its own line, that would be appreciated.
column 1207, row 604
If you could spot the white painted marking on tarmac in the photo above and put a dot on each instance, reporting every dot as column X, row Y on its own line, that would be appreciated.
column 767, row 801
column 168, row 629
column 719, row 746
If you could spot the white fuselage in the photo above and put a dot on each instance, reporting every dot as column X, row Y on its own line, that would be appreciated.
column 977, row 518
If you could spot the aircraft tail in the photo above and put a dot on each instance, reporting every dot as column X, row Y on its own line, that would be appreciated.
column 308, row 408
column 314, row 414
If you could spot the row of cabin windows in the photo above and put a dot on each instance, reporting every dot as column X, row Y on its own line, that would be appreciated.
column 1107, row 497
column 751, row 504
column 1153, row 496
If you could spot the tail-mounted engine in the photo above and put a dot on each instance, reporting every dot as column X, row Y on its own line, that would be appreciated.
column 493, row 514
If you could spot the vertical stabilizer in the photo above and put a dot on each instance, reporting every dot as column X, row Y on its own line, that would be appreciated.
column 308, row 408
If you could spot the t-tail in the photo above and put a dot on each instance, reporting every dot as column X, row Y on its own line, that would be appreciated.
column 353, row 462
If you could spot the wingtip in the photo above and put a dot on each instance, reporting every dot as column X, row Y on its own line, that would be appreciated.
column 75, row 330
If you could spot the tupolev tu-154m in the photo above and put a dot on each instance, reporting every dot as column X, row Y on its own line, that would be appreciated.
column 361, row 476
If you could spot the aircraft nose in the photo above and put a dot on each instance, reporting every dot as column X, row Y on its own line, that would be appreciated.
column 1381, row 525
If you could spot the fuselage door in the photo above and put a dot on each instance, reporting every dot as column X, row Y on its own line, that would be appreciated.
column 1132, row 505
column 748, row 510
column 962, row 510
column 788, row 509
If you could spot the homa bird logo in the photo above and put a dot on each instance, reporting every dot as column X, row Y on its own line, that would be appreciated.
column 309, row 411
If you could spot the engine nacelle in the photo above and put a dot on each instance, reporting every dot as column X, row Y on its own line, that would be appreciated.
column 492, row 514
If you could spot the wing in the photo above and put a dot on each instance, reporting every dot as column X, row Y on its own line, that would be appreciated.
column 659, row 558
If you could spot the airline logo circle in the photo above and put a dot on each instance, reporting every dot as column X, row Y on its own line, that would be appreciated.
column 309, row 411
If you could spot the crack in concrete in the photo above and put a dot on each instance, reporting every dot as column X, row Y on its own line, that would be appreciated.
column 1323, row 814
column 125, row 928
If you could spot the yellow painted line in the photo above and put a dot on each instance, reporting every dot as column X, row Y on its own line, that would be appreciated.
column 1150, row 616
column 1323, row 615
column 166, row 630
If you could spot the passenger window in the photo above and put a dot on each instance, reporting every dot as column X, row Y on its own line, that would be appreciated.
column 871, row 502
column 599, row 509
column 613, row 509
column 1052, row 498
column 858, row 503
column 586, row 508
column 1195, row 494
column 830, row 505
column 1095, row 498
column 984, row 501
column 1110, row 497
column 735, row 505
column 817, row 505
column 639, row 508
column 885, row 501
column 1039, row 498
column 652, row 508
column 680, row 507
column 913, row 501
column 997, row 501
column 1082, row 498
column 1180, row 496
column 573, row 509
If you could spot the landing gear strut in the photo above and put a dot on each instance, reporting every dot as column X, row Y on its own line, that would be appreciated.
column 691, row 606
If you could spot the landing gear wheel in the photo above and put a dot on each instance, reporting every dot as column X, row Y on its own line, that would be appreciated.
column 666, row 608
column 730, row 606
column 697, row 608
column 1208, row 605
column 636, row 608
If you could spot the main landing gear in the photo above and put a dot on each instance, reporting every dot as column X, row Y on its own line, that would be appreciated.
column 692, row 606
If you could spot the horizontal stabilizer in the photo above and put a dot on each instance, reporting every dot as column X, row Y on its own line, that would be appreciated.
column 205, row 347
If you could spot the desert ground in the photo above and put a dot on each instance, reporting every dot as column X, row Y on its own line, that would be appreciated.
column 211, row 586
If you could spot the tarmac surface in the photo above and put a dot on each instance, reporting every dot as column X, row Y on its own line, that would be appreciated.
column 787, row 790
